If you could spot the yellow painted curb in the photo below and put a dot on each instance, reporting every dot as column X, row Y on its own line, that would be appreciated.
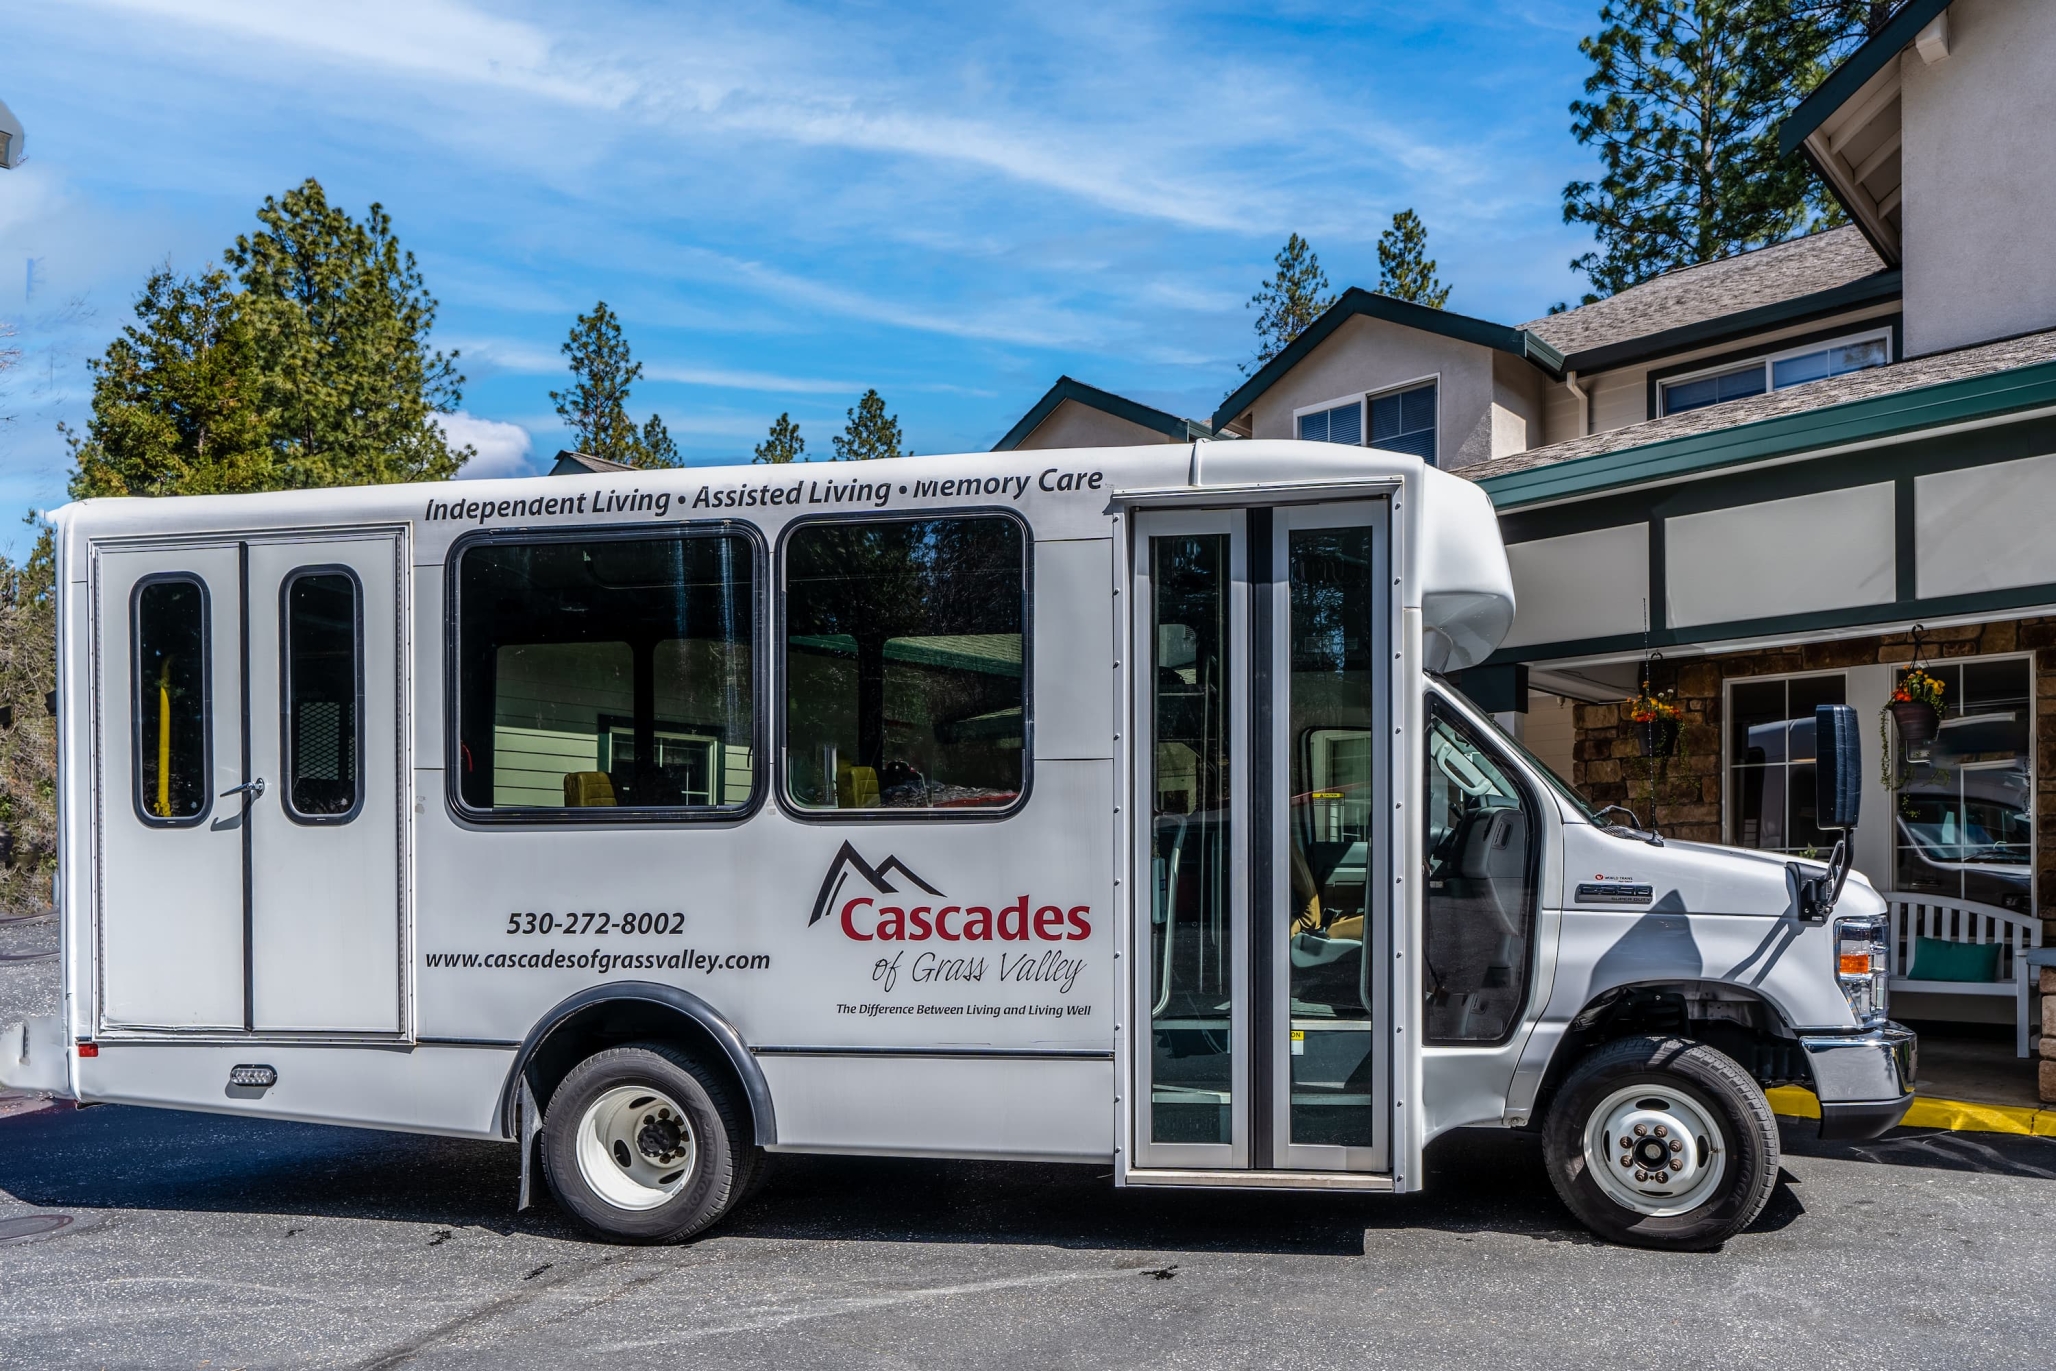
column 1961, row 1116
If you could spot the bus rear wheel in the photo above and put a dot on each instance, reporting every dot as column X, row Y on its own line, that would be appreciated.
column 1662, row 1142
column 642, row 1144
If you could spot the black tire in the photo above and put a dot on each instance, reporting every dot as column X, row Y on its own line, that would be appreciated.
column 723, row 1162
column 1723, row 1092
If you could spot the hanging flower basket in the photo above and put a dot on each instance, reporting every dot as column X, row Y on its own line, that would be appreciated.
column 1917, row 721
column 1916, row 706
column 1656, row 717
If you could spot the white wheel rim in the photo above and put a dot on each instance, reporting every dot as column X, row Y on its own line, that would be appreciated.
column 1656, row 1178
column 636, row 1147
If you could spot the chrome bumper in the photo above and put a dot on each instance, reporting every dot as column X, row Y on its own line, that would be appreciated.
column 1864, row 1079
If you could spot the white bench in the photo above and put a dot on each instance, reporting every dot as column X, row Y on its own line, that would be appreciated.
column 1964, row 921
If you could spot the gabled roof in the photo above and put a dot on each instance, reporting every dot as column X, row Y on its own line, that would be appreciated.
column 1988, row 381
column 1850, row 127
column 1855, row 70
column 1518, row 342
column 1092, row 397
column 585, row 464
column 1700, row 305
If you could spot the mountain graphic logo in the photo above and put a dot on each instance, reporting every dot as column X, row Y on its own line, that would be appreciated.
column 849, row 860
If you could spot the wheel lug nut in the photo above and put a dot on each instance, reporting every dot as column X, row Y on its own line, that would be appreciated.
column 1641, row 1175
column 1627, row 1141
column 1659, row 1130
column 1641, row 1130
column 1662, row 1177
column 1627, row 1161
column 1677, row 1146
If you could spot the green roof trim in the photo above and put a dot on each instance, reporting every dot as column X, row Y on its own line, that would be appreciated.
column 1356, row 300
column 1873, row 289
column 1855, row 69
column 1857, row 421
column 1092, row 397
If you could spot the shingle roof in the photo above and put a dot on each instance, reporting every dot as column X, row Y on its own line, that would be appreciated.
column 1692, row 295
column 571, row 463
column 1934, row 369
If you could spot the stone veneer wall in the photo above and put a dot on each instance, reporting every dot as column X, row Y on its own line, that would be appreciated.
column 1608, row 754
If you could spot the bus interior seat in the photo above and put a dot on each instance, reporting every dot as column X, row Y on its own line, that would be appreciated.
column 586, row 789
column 856, row 787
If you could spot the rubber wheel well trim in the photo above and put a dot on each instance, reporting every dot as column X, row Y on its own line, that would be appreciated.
column 756, row 1090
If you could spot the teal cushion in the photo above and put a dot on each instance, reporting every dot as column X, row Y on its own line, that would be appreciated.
column 1935, row 960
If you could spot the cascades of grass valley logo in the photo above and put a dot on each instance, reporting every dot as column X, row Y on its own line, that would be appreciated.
column 866, row 918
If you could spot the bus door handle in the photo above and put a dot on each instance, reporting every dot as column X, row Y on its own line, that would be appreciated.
column 254, row 789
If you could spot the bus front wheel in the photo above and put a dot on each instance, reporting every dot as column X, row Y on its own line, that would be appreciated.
column 1662, row 1142
column 642, row 1144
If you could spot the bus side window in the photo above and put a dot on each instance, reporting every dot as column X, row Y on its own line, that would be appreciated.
column 1480, row 906
column 905, row 679
column 170, row 699
column 604, row 672
column 324, row 693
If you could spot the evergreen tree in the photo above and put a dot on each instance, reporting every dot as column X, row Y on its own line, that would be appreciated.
column 1293, row 298
column 180, row 399
column 657, row 448
column 1405, row 271
column 1684, row 101
column 783, row 443
column 28, row 749
column 596, row 406
column 870, row 432
column 341, row 319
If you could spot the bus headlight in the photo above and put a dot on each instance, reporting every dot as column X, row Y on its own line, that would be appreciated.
column 1862, row 966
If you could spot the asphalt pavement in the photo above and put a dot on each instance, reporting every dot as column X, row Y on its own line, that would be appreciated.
column 201, row 1241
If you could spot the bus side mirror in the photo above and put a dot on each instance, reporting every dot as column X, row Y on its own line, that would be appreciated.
column 1838, row 766
column 1837, row 782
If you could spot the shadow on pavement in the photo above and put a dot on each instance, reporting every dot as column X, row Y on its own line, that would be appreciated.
column 1999, row 1154
column 1483, row 1181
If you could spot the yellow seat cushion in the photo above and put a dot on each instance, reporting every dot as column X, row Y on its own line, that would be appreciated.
column 584, row 789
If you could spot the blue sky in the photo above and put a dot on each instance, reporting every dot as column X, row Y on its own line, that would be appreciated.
column 786, row 203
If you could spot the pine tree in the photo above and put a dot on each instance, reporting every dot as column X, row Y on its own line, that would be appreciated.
column 657, row 448
column 28, row 749
column 783, row 443
column 341, row 319
column 1683, row 103
column 1405, row 271
column 602, row 369
column 870, row 432
column 596, row 406
column 180, row 399
column 1293, row 298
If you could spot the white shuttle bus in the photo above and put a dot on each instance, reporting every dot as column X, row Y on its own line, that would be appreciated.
column 1100, row 806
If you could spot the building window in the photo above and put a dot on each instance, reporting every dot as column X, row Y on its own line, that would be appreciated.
column 1342, row 424
column 1770, row 762
column 1404, row 421
column 1775, row 372
column 324, row 694
column 171, row 716
column 609, row 674
column 905, row 682
column 1963, row 821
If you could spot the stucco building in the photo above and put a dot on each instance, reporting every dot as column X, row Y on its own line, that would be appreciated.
column 1759, row 482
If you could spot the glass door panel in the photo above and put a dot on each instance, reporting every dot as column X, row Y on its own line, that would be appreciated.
column 1328, row 567
column 1191, row 691
column 1192, row 926
column 1328, row 828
